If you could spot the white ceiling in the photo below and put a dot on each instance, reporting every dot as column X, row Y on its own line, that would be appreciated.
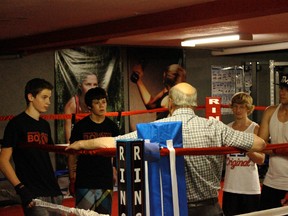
column 37, row 25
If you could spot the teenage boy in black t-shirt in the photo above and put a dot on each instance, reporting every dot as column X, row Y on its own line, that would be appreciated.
column 33, row 176
column 94, row 174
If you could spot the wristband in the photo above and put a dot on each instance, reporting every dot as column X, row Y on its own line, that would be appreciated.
column 274, row 151
column 18, row 187
column 24, row 193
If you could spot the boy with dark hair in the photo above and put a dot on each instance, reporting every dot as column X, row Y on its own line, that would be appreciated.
column 33, row 176
column 94, row 174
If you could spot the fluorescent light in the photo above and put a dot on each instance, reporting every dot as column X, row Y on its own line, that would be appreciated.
column 251, row 49
column 216, row 39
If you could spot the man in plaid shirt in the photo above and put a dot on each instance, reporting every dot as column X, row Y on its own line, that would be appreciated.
column 203, row 173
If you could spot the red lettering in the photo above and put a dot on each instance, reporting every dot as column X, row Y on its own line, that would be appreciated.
column 29, row 138
column 238, row 163
column 44, row 138
column 36, row 137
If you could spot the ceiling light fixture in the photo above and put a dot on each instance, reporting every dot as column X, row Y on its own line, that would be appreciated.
column 251, row 49
column 216, row 39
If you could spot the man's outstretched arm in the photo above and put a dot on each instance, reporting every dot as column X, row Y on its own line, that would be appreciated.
column 101, row 142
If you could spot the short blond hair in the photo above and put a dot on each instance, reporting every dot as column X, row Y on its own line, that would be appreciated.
column 243, row 98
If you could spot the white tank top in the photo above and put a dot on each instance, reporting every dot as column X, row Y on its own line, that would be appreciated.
column 277, row 175
column 241, row 175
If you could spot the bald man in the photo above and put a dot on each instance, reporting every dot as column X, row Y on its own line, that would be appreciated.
column 202, row 173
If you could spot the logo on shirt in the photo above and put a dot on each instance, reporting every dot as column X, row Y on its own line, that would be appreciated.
column 37, row 137
column 238, row 160
column 92, row 135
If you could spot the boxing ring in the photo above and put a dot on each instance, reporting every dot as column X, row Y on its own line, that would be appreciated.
column 132, row 186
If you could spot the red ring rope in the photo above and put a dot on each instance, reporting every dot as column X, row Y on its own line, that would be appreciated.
column 112, row 114
column 111, row 152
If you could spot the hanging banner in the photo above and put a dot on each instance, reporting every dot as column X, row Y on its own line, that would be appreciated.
column 76, row 71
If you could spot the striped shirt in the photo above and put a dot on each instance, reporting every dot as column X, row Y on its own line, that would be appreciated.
column 203, row 173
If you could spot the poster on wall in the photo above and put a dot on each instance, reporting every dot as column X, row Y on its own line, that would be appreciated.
column 76, row 71
column 226, row 81
column 151, row 71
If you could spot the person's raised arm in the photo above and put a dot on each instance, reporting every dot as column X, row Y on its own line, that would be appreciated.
column 101, row 142
column 144, row 93
column 148, row 100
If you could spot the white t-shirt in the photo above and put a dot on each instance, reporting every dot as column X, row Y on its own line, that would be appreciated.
column 241, row 175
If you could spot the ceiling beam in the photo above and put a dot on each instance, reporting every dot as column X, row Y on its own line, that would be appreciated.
column 184, row 17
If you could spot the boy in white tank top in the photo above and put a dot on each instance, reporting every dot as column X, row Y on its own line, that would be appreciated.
column 274, row 125
column 241, row 184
